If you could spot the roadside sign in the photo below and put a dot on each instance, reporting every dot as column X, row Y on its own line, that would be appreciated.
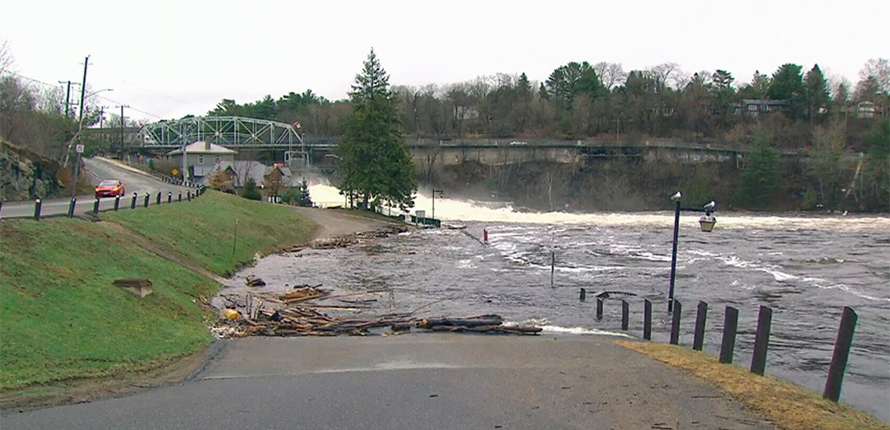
column 175, row 172
column 78, row 149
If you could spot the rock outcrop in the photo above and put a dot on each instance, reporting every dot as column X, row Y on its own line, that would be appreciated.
column 25, row 175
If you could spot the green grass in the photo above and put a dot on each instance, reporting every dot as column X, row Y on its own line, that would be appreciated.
column 205, row 229
column 60, row 316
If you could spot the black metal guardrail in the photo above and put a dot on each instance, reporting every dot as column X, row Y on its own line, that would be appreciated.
column 839, row 358
column 72, row 203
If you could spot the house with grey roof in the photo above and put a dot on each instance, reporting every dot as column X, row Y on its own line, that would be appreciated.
column 202, row 157
column 237, row 172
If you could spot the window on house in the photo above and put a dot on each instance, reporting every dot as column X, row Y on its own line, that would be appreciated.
column 200, row 159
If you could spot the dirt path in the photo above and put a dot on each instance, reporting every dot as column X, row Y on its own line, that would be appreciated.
column 333, row 223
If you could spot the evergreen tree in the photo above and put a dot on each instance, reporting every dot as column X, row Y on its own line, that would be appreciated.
column 878, row 162
column 818, row 96
column 376, row 165
column 787, row 84
column 760, row 179
column 305, row 200
column 250, row 190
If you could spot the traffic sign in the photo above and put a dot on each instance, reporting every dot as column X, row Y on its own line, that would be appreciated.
column 78, row 148
column 175, row 172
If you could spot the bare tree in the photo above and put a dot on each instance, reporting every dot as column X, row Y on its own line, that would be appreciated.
column 245, row 167
column 610, row 74
column 663, row 73
column 879, row 70
column 6, row 60
column 275, row 183
column 51, row 100
column 838, row 85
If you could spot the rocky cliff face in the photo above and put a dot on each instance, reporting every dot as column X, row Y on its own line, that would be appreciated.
column 25, row 175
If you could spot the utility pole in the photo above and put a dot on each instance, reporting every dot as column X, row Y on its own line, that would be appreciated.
column 67, row 97
column 83, row 89
column 123, row 121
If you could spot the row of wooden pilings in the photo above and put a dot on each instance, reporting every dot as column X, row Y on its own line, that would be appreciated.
column 839, row 359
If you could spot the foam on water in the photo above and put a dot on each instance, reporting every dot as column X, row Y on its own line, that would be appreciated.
column 580, row 330
column 547, row 327
column 461, row 210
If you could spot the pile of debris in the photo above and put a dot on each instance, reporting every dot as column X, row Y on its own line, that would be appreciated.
column 265, row 315
column 350, row 239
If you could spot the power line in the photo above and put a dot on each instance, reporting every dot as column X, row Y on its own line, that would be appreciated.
column 129, row 107
column 152, row 91
column 97, row 96
column 35, row 80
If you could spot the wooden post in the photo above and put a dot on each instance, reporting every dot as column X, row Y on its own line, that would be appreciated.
column 96, row 207
column 675, row 323
column 700, row 318
column 71, row 205
column 117, row 202
column 37, row 205
column 625, row 313
column 133, row 205
column 189, row 195
column 599, row 309
column 146, row 199
column 761, row 340
column 552, row 266
column 647, row 320
column 841, row 355
column 180, row 196
column 583, row 295
column 159, row 197
column 169, row 197
column 730, row 327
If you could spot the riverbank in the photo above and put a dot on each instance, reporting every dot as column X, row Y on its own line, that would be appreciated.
column 68, row 334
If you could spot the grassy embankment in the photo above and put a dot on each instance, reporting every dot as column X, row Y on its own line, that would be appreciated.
column 61, row 317
column 787, row 405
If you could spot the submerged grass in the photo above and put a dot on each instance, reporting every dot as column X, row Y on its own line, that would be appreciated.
column 787, row 405
column 62, row 319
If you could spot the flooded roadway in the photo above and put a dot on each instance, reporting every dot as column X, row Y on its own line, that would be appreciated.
column 806, row 269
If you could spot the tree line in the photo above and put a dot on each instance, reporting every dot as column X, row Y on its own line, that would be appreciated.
column 829, row 120
column 37, row 115
column 581, row 100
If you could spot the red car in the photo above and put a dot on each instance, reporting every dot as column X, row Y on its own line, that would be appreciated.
column 109, row 188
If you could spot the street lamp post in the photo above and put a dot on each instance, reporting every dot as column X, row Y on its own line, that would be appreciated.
column 706, row 222
column 434, row 201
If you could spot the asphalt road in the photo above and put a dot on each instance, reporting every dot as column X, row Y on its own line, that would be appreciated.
column 415, row 381
column 99, row 169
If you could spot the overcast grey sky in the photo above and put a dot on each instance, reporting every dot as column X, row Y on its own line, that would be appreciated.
column 172, row 58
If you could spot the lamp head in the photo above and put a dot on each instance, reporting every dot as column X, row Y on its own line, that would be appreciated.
column 676, row 197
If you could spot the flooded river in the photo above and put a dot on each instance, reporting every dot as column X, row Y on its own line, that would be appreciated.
column 805, row 268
